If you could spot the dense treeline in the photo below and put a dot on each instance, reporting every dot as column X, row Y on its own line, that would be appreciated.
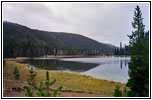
column 30, row 49
column 20, row 41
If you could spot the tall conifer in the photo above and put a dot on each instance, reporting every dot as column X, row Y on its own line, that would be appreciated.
column 139, row 64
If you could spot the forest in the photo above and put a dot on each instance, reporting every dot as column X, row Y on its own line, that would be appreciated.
column 20, row 41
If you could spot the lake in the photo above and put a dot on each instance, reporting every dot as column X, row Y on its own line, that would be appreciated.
column 113, row 68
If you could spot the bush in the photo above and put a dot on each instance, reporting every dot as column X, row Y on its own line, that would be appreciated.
column 117, row 92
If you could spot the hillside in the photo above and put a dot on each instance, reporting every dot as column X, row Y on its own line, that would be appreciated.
column 20, row 40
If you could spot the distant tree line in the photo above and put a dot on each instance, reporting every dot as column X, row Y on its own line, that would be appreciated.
column 122, row 50
column 29, row 48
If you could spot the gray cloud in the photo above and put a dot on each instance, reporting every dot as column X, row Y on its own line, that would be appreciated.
column 104, row 22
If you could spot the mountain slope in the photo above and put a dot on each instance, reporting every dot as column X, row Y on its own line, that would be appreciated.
column 23, row 41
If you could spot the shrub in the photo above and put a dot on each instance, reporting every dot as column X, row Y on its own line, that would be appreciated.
column 117, row 92
column 16, row 74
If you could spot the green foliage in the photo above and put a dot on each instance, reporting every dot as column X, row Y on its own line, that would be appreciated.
column 125, row 92
column 48, row 83
column 28, row 92
column 139, row 64
column 132, row 94
column 16, row 74
column 146, row 92
column 56, row 91
column 32, row 75
column 117, row 92
column 41, row 89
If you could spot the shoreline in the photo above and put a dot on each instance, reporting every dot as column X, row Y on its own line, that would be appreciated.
column 17, row 59
column 70, row 72
column 62, row 56
column 69, row 81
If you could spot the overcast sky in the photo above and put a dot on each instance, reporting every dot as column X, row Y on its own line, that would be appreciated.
column 104, row 22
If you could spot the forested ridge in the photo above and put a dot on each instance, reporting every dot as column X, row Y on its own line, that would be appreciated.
column 21, row 41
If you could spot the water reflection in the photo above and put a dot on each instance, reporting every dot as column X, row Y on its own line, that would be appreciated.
column 125, row 62
column 108, row 67
column 56, row 64
column 121, row 64
column 115, row 70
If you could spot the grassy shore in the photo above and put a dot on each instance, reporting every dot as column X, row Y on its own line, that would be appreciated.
column 70, row 81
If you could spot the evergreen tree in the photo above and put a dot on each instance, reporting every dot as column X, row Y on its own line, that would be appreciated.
column 16, row 74
column 41, row 89
column 116, row 52
column 120, row 50
column 32, row 75
column 139, row 64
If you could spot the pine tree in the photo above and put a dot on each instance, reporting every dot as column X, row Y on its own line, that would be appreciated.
column 16, row 74
column 32, row 75
column 120, row 50
column 139, row 64
column 41, row 89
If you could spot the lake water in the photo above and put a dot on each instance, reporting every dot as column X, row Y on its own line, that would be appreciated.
column 103, row 67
